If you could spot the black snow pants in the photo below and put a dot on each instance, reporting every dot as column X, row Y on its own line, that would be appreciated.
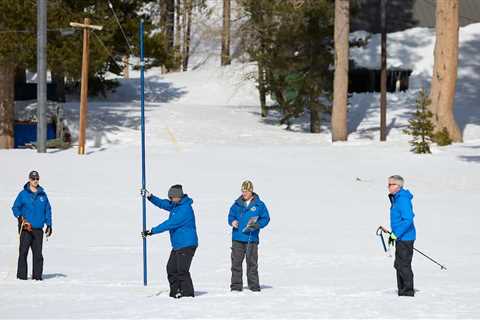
column 178, row 270
column 33, row 240
column 403, row 265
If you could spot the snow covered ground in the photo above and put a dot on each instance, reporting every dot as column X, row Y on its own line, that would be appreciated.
column 319, row 257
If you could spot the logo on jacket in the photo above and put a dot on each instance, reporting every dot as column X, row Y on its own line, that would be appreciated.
column 42, row 199
column 254, row 209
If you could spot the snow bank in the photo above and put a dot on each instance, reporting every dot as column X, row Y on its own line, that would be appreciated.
column 413, row 49
column 208, row 92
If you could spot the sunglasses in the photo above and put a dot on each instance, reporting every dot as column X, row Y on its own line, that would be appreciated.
column 35, row 179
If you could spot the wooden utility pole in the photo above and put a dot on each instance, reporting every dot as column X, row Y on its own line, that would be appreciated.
column 86, row 26
column 383, row 72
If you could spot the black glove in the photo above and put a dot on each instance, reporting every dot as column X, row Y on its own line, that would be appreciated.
column 146, row 233
column 48, row 231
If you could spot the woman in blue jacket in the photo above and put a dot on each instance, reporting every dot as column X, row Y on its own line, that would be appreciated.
column 33, row 211
column 183, row 237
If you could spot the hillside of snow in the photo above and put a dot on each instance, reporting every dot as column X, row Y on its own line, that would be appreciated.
column 318, row 258
column 227, row 89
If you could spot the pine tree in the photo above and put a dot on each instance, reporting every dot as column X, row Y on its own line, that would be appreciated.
column 292, row 43
column 421, row 126
column 107, row 51
column 17, row 50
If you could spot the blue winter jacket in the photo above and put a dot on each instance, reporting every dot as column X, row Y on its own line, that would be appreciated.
column 34, row 207
column 401, row 215
column 180, row 223
column 242, row 213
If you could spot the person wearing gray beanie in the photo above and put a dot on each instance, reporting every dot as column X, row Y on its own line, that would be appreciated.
column 183, row 237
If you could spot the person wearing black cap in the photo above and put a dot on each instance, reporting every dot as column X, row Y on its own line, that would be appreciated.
column 183, row 237
column 33, row 211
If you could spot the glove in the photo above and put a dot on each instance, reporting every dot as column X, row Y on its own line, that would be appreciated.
column 146, row 233
column 27, row 226
column 48, row 231
column 145, row 193
column 391, row 239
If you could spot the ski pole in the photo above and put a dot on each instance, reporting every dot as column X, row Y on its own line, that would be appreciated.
column 248, row 243
column 423, row 254
column 380, row 234
column 19, row 234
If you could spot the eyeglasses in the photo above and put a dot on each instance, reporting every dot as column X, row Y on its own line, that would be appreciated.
column 392, row 184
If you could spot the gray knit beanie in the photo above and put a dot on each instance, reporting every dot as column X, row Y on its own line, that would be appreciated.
column 175, row 191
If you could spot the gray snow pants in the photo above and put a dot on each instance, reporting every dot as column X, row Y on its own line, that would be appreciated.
column 240, row 250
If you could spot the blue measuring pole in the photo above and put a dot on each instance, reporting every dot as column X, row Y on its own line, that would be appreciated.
column 144, row 180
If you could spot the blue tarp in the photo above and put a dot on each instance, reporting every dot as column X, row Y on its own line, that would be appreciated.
column 27, row 133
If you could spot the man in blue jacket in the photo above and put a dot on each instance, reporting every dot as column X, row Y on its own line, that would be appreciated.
column 247, row 216
column 403, row 233
column 183, row 237
column 33, row 211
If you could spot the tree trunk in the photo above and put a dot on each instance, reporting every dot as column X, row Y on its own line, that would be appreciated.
column 178, row 23
column 126, row 67
column 7, row 105
column 20, row 75
column 163, row 24
column 178, row 31
column 58, row 78
column 170, row 23
column 383, row 72
column 340, row 82
column 163, row 15
column 315, row 117
column 262, row 90
column 444, row 80
column 226, row 32
column 186, row 39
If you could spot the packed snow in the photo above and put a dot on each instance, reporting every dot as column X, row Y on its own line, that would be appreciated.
column 318, row 258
